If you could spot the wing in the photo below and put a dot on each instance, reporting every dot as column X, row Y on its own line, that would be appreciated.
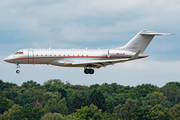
column 94, row 63
column 100, row 63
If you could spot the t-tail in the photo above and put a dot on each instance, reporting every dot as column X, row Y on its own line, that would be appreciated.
column 141, row 41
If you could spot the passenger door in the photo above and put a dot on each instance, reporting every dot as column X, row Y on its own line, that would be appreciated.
column 30, row 56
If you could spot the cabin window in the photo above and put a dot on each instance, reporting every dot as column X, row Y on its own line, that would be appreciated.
column 36, row 55
column 59, row 55
column 19, row 53
column 45, row 55
column 50, row 55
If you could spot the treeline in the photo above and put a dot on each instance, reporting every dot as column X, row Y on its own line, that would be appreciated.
column 55, row 100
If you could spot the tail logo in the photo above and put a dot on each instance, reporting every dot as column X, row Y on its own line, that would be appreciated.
column 131, row 47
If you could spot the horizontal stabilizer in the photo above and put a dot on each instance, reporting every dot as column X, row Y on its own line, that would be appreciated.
column 154, row 33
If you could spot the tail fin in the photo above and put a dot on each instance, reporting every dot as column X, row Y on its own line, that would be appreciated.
column 141, row 41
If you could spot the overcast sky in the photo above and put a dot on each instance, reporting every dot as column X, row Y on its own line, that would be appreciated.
column 93, row 24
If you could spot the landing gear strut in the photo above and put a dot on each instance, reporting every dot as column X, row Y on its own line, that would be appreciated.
column 17, row 66
column 88, row 70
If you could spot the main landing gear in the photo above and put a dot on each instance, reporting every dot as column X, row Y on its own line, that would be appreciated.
column 17, row 66
column 88, row 70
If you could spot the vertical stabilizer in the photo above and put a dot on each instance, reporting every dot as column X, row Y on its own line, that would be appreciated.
column 141, row 41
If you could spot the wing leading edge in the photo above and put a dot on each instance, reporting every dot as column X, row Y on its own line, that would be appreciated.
column 95, row 63
column 100, row 63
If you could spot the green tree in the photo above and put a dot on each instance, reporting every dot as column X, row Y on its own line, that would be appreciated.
column 56, row 85
column 6, row 85
column 109, row 104
column 77, row 99
column 38, row 95
column 25, row 96
column 30, row 84
column 155, row 98
column 171, row 91
column 53, row 82
column 128, row 110
column 96, row 86
column 52, row 116
column 117, row 111
column 143, row 90
column 51, row 106
column 88, row 112
column 158, row 112
column 1, row 117
column 98, row 99
column 71, row 117
column 75, row 103
column 83, row 113
column 107, row 116
column 27, row 112
column 95, row 112
column 62, row 107
column 8, row 114
column 176, row 112
column 122, row 97
column 11, row 94
column 5, row 103
column 173, row 83
column 49, row 96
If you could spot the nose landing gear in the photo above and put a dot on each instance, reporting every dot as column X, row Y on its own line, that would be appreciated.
column 17, row 71
column 17, row 66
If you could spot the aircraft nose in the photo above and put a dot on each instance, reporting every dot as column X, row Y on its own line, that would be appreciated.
column 8, row 59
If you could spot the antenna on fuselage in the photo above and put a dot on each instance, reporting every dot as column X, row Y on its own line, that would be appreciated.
column 50, row 48
column 86, row 48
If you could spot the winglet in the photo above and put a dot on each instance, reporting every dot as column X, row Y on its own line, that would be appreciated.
column 135, row 56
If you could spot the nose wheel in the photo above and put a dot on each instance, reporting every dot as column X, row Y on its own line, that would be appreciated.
column 17, row 71
column 17, row 66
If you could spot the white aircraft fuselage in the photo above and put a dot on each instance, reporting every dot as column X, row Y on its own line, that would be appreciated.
column 87, row 58
column 66, row 56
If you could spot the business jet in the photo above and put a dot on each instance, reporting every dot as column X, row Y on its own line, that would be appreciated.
column 89, row 59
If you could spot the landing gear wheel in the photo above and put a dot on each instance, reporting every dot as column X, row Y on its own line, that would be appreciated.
column 17, row 71
column 86, row 71
column 91, row 71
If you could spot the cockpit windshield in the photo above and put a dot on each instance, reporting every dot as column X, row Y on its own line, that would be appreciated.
column 19, row 53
